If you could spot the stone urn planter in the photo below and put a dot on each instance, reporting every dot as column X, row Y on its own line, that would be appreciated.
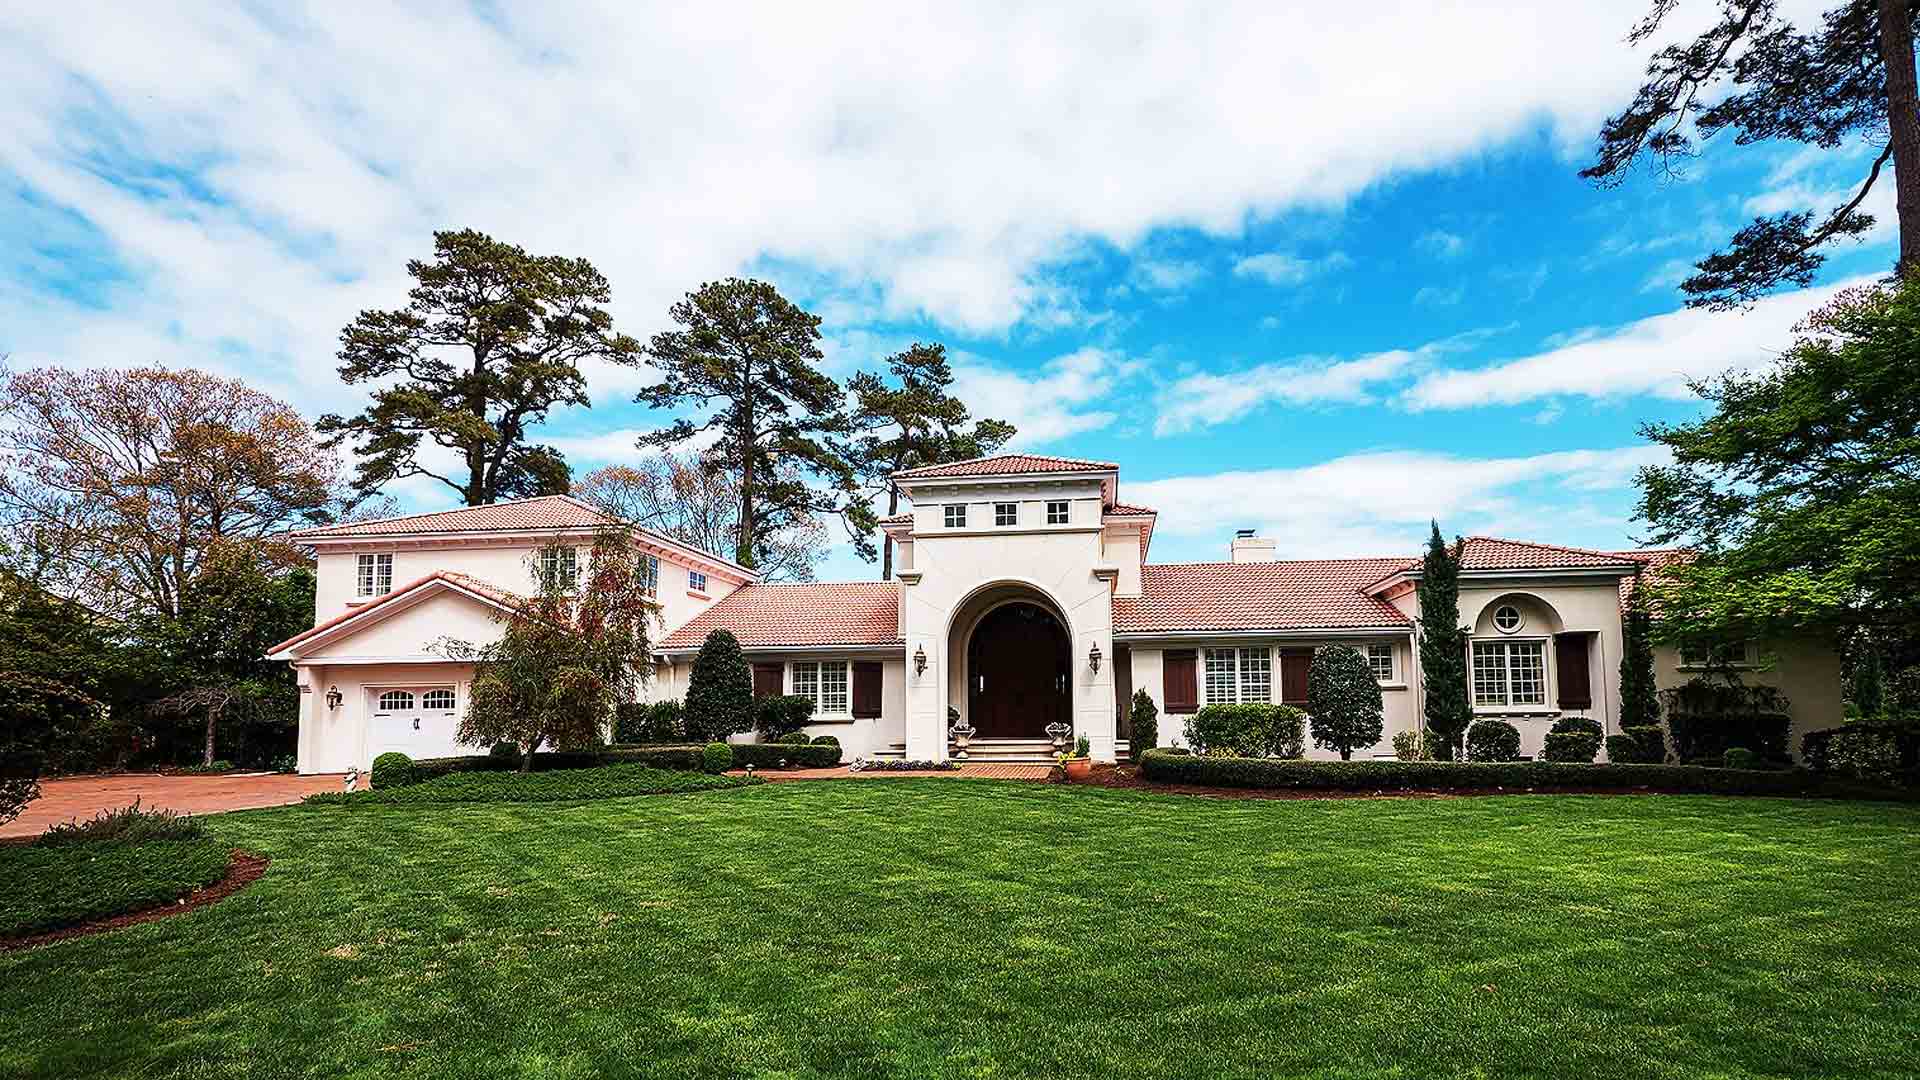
column 962, row 734
column 1058, row 733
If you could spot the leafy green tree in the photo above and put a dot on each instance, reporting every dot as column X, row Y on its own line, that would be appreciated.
column 1343, row 701
column 566, row 656
column 1799, row 492
column 744, row 358
column 1869, row 693
column 915, row 423
column 1754, row 73
column 1639, row 697
column 35, row 714
column 1443, row 648
column 719, row 689
column 490, row 341
column 1143, row 725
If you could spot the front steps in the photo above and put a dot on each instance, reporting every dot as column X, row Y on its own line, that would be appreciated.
column 996, row 751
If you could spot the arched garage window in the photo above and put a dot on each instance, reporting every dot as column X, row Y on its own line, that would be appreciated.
column 437, row 699
column 396, row 701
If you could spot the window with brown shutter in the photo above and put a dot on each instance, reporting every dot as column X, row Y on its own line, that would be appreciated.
column 1182, row 681
column 1570, row 665
column 866, row 689
column 767, row 680
column 1294, row 666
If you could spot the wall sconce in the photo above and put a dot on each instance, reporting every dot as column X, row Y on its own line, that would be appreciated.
column 1093, row 657
column 333, row 697
column 919, row 659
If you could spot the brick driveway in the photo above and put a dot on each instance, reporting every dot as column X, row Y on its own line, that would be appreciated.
column 84, row 796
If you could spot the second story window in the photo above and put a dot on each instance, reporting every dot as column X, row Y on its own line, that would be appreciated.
column 560, row 566
column 1058, row 512
column 696, row 581
column 375, row 575
column 955, row 515
column 1005, row 514
column 649, row 575
column 1380, row 659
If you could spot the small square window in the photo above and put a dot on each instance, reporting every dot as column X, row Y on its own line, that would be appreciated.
column 1058, row 512
column 696, row 581
column 955, row 515
column 375, row 575
column 1006, row 514
column 1380, row 659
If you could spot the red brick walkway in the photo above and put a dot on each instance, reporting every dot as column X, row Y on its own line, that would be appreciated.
column 975, row 771
column 84, row 796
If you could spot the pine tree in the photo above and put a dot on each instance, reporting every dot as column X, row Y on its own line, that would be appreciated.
column 1443, row 649
column 719, row 690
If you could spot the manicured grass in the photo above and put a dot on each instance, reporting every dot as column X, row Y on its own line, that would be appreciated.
column 966, row 927
column 560, row 785
column 48, row 888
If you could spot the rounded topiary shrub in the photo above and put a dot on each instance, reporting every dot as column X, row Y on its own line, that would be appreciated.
column 778, row 716
column 1573, row 738
column 719, row 690
column 1739, row 757
column 1493, row 740
column 796, row 738
column 392, row 769
column 717, row 757
column 826, row 740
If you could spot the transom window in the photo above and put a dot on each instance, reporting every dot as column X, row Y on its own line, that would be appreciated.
column 955, row 515
column 396, row 701
column 1238, row 675
column 1506, row 618
column 824, row 682
column 1380, row 659
column 375, row 575
column 1006, row 514
column 649, row 575
column 1058, row 513
column 696, row 581
column 1507, row 673
column 1720, row 654
column 437, row 699
column 560, row 566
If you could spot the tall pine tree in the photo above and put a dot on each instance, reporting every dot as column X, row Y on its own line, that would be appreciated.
column 1443, row 648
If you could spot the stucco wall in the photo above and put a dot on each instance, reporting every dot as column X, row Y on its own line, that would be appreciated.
column 858, row 738
column 335, row 740
column 1807, row 672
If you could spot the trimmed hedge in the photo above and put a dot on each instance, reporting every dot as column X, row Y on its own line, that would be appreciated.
column 638, row 723
column 1707, row 718
column 1249, row 730
column 660, row 757
column 1266, row 773
column 1887, row 751
column 607, row 782
column 795, row 755
column 1493, row 740
column 1573, row 740
column 1638, row 745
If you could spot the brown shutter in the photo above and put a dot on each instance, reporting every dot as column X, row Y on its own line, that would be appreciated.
column 1570, row 664
column 1182, row 682
column 767, row 680
column 866, row 689
column 1294, row 666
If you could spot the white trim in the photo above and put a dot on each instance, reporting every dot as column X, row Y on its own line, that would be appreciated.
column 826, row 648
column 351, row 624
column 1330, row 634
column 364, row 661
column 730, row 569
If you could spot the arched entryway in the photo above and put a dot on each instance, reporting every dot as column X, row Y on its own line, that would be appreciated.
column 1018, row 679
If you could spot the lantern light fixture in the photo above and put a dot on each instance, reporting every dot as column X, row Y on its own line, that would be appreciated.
column 919, row 659
column 333, row 697
column 1093, row 657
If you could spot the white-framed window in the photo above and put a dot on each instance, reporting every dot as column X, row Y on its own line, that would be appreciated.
column 441, row 699
column 560, row 565
column 696, row 581
column 1005, row 514
column 955, row 515
column 825, row 683
column 1059, row 512
column 649, row 575
column 374, row 575
column 1380, row 659
column 396, row 701
column 1507, row 619
column 1236, row 675
column 1509, row 673
column 1721, row 654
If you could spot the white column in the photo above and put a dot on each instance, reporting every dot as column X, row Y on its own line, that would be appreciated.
column 926, row 689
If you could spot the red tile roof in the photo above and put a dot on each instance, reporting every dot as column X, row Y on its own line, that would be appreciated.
column 897, row 519
column 539, row 512
column 1008, row 465
column 1129, row 508
column 445, row 577
column 1493, row 553
column 1292, row 595
column 1652, row 562
column 762, row 616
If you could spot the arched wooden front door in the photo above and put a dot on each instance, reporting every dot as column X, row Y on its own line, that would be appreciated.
column 1017, row 673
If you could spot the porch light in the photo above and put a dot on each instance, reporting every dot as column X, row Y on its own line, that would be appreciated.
column 1093, row 657
column 919, row 659
column 333, row 697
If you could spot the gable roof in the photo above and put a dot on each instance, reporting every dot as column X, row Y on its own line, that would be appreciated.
column 514, row 515
column 1305, row 594
column 1495, row 553
column 1007, row 465
column 771, row 616
column 1652, row 561
column 372, row 611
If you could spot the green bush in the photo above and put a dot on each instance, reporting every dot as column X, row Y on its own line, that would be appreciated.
column 1638, row 745
column 1739, row 757
column 1143, row 724
column 826, row 740
column 1249, row 730
column 793, row 755
column 562, row 785
column 505, row 750
column 61, row 884
column 719, row 690
column 716, row 758
column 777, row 716
column 1705, row 717
column 794, row 738
column 393, row 769
column 1164, row 767
column 1493, row 740
column 1413, row 746
column 36, row 716
column 128, row 825
column 1343, row 700
column 1885, row 750
column 638, row 723
column 1573, row 739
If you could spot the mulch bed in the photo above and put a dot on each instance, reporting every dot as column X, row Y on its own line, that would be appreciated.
column 243, row 869
column 1128, row 776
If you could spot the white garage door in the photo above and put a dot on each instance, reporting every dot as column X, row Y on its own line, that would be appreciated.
column 418, row 721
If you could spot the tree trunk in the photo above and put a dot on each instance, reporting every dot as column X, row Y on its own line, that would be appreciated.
column 526, row 760
column 213, row 714
column 1903, row 122
column 886, row 558
column 743, row 548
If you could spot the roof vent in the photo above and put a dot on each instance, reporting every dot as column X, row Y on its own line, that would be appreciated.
column 1250, row 548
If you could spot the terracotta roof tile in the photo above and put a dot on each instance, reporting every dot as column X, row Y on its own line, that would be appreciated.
column 761, row 616
column 1129, row 508
column 1652, row 562
column 1008, row 465
column 540, row 512
column 1493, row 553
column 1291, row 595
column 897, row 519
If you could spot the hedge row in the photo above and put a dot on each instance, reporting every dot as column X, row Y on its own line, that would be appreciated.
column 477, row 786
column 1174, row 767
column 685, row 758
column 771, row 755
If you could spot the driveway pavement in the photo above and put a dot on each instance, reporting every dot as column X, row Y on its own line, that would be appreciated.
column 84, row 796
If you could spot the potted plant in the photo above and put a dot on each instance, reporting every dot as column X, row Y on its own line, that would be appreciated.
column 960, row 732
column 1078, row 762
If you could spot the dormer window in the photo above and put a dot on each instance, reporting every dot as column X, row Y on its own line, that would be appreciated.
column 1059, row 512
column 955, row 515
column 1005, row 514
column 375, row 575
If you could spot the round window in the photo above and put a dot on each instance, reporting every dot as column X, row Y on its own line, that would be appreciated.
column 1506, row 618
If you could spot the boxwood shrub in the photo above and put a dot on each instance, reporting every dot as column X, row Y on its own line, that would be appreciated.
column 393, row 769
column 1886, row 750
column 660, row 757
column 1493, row 740
column 1170, row 768
column 1573, row 739
column 777, row 716
column 795, row 755
column 1249, row 730
column 1638, row 745
column 717, row 757
column 650, row 722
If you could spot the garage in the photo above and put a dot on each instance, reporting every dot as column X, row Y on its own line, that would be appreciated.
column 418, row 721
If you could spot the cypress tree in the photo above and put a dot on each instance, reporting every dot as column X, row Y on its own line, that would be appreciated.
column 1639, row 704
column 720, row 690
column 1443, row 648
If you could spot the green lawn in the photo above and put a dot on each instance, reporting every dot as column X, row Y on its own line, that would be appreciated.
column 47, row 888
column 955, row 927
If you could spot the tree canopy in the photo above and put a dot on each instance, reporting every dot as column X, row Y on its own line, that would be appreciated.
column 1343, row 701
column 491, row 340
column 1754, row 73
column 697, row 500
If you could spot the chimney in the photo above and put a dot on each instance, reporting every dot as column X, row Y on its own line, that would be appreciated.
column 1250, row 548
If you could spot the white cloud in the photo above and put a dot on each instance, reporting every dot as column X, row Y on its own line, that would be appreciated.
column 1668, row 275
column 1165, row 275
column 1439, row 296
column 1049, row 404
column 1442, row 244
column 1280, row 268
column 1379, row 503
column 1656, row 355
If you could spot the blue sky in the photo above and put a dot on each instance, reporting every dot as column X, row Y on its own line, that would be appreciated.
column 1323, row 275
